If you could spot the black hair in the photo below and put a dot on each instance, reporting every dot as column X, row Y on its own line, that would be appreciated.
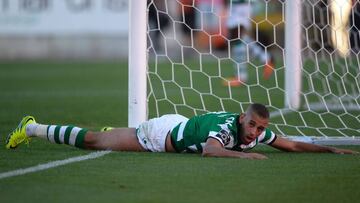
column 259, row 109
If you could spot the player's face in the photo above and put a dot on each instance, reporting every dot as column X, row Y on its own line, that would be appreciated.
column 253, row 125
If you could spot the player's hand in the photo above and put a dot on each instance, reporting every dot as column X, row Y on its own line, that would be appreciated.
column 343, row 151
column 253, row 156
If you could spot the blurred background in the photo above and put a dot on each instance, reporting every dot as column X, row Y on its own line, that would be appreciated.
column 97, row 29
column 65, row 29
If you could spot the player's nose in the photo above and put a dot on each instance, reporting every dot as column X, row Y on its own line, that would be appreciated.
column 252, row 132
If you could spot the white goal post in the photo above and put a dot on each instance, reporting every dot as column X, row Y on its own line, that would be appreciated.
column 293, row 53
column 313, row 94
column 137, row 62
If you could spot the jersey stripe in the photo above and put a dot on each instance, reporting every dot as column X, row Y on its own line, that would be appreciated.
column 269, row 137
column 180, row 133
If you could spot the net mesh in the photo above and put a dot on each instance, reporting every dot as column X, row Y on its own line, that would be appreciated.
column 192, row 63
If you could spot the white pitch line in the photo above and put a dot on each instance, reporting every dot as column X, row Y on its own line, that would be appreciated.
column 53, row 164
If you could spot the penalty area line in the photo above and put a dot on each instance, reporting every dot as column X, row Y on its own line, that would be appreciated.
column 52, row 164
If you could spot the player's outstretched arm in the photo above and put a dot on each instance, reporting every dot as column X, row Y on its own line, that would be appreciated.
column 293, row 146
column 213, row 148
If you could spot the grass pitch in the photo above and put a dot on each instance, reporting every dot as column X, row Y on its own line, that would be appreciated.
column 93, row 95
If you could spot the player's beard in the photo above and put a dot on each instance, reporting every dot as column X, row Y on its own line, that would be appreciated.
column 245, row 138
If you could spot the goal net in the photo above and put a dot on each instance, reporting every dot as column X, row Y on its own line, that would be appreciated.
column 300, row 60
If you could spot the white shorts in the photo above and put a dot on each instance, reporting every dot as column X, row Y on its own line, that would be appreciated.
column 152, row 133
column 239, row 15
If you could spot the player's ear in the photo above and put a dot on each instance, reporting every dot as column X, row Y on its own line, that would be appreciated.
column 242, row 117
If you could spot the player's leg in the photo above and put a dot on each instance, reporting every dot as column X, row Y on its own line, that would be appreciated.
column 239, row 53
column 240, row 14
column 117, row 139
column 28, row 128
column 238, row 23
column 262, row 54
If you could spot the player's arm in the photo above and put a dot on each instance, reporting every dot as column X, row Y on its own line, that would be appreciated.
column 214, row 148
column 294, row 146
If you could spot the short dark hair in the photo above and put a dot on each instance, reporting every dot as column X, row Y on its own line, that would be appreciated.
column 259, row 109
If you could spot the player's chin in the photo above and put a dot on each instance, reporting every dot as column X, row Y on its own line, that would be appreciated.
column 247, row 140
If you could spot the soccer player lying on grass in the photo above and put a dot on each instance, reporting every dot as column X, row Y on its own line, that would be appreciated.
column 217, row 134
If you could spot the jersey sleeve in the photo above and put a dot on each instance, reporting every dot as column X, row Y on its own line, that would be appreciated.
column 267, row 137
column 223, row 136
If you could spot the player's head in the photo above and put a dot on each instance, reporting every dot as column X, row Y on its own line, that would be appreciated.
column 253, row 121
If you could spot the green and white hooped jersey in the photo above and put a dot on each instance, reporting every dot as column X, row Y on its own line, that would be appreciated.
column 191, row 135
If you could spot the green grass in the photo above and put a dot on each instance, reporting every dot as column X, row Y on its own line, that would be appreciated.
column 62, row 92
column 93, row 95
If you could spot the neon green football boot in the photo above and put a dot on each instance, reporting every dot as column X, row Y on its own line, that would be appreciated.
column 19, row 136
column 107, row 128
